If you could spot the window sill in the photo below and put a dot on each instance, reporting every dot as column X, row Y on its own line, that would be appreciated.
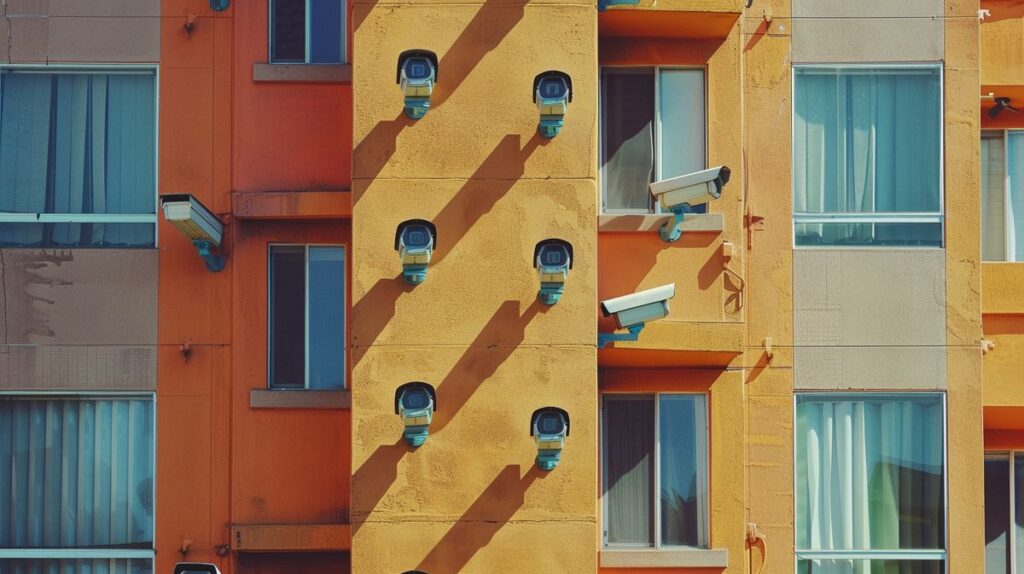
column 306, row 73
column 298, row 399
column 650, row 558
column 639, row 223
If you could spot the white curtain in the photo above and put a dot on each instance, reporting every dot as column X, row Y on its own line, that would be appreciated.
column 76, row 143
column 76, row 473
column 629, row 469
column 993, row 197
column 869, row 476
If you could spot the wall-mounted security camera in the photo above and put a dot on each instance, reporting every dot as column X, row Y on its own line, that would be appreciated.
column 633, row 312
column 681, row 194
column 198, row 223
column 549, row 426
column 415, row 241
column 416, row 403
column 553, row 259
column 552, row 92
column 195, row 568
column 417, row 74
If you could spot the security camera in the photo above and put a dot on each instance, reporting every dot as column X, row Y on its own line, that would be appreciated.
column 681, row 194
column 632, row 312
column 417, row 73
column 552, row 92
column 416, row 403
column 195, row 568
column 415, row 241
column 197, row 223
column 549, row 426
column 553, row 259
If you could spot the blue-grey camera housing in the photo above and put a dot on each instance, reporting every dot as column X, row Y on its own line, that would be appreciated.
column 417, row 74
column 416, row 402
column 415, row 241
column 549, row 426
column 602, row 5
column 552, row 92
column 552, row 258
column 219, row 5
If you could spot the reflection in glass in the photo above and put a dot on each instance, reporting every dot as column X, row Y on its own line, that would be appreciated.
column 326, row 318
column 997, row 513
column 684, row 506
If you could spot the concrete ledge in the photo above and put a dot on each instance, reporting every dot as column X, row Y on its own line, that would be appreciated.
column 699, row 223
column 678, row 344
column 291, row 204
column 651, row 558
column 308, row 73
column 267, row 399
column 291, row 537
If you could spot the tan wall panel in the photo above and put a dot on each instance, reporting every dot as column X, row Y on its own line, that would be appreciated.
column 111, row 31
column 77, row 367
column 869, row 368
column 842, row 40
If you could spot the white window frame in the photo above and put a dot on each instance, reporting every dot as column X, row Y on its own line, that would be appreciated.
column 1009, row 245
column 885, row 217
column 308, row 36
column 656, row 490
column 655, row 132
column 270, row 310
column 893, row 555
column 1011, row 539
column 110, row 69
column 94, row 553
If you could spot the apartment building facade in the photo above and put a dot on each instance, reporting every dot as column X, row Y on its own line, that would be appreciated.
column 834, row 382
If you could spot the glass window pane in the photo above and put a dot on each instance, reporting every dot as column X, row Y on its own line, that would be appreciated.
column 1015, row 171
column 870, row 472
column 125, row 235
column 288, row 316
column 681, row 132
column 288, row 37
column 92, row 566
column 326, row 26
column 871, row 567
column 629, row 469
column 993, row 197
column 76, row 472
column 997, row 513
column 1018, row 511
column 326, row 317
column 628, row 136
column 869, row 234
column 683, row 450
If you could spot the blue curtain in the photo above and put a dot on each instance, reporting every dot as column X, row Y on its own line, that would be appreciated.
column 52, row 566
column 76, row 473
column 77, row 143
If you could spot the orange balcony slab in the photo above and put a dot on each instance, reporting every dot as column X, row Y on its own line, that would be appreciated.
column 671, row 19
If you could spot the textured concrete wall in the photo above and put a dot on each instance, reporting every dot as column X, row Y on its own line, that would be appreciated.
column 872, row 31
column 96, row 31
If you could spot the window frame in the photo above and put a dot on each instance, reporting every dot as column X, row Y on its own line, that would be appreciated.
column 909, row 555
column 873, row 218
column 87, row 69
column 95, row 553
column 655, row 208
column 308, row 37
column 655, row 491
column 1009, row 248
column 270, row 310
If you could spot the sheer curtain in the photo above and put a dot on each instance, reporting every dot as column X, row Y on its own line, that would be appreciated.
column 684, row 463
column 993, row 196
column 75, row 473
column 629, row 469
column 77, row 143
column 628, row 136
column 867, row 141
column 869, row 476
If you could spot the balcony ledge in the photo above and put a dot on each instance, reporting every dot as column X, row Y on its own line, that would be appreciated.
column 629, row 223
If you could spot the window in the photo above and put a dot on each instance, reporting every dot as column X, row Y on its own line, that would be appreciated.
column 652, row 128
column 1004, row 513
column 870, row 483
column 1002, row 195
column 307, row 317
column 76, row 484
column 867, row 166
column 77, row 157
column 655, row 444
column 308, row 31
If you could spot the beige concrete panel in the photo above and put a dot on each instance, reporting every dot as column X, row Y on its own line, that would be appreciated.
column 481, row 429
column 78, row 296
column 481, row 286
column 104, row 8
column 866, row 8
column 23, row 39
column 841, row 40
column 869, row 297
column 100, row 39
column 27, row 8
column 488, row 56
column 869, row 368
column 77, row 367
column 472, row 546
